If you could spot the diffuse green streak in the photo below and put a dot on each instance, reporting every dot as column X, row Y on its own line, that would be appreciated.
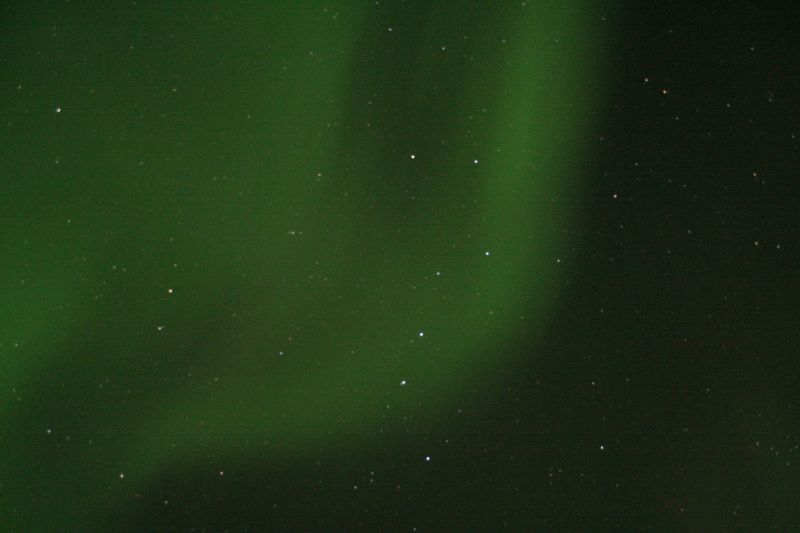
column 356, row 287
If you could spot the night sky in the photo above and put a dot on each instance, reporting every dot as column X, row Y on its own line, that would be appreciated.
column 399, row 266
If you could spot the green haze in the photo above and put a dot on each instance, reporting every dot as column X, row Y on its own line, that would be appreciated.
column 245, row 229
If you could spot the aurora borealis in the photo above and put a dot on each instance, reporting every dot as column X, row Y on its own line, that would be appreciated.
column 285, row 224
column 288, row 266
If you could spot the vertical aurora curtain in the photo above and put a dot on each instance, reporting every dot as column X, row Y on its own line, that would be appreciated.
column 248, row 223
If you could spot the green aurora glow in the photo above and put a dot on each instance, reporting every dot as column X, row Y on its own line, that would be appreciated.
column 222, row 239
